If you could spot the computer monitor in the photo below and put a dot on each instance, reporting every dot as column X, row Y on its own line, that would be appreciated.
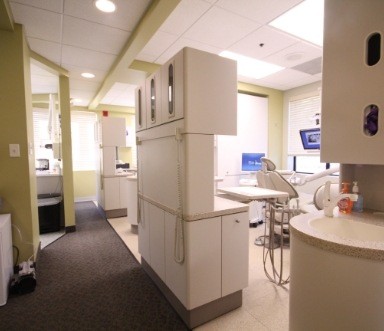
column 310, row 138
column 251, row 161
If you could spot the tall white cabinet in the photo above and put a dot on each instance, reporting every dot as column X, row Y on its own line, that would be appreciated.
column 189, row 239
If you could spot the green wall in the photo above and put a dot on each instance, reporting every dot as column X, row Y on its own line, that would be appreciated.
column 17, row 174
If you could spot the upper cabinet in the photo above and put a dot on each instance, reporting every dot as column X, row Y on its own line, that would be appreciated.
column 141, row 114
column 113, row 131
column 153, row 99
column 352, row 128
column 196, row 86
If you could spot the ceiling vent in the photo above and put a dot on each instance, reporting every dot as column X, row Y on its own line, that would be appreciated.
column 312, row 67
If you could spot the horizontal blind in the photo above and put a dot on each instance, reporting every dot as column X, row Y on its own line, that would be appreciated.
column 40, row 133
column 83, row 140
column 302, row 112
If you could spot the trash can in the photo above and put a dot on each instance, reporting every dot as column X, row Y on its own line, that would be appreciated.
column 49, row 212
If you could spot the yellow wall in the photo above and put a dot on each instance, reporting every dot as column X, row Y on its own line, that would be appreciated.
column 275, row 119
column 17, row 175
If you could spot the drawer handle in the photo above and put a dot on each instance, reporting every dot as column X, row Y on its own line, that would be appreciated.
column 237, row 221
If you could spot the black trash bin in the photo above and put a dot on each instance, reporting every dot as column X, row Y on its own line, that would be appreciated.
column 49, row 212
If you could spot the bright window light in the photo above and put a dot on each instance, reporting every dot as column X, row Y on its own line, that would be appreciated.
column 106, row 6
column 87, row 75
column 304, row 21
column 253, row 68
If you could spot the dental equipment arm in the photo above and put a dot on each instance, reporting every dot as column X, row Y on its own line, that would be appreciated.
column 310, row 178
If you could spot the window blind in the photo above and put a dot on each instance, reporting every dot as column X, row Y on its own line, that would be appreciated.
column 83, row 140
column 40, row 133
column 302, row 115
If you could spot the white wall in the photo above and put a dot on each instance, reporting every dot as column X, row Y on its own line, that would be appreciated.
column 252, row 137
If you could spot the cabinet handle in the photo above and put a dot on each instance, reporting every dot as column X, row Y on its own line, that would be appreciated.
column 237, row 221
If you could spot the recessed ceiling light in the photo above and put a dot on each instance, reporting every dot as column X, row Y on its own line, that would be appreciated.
column 304, row 21
column 75, row 100
column 252, row 68
column 87, row 75
column 107, row 6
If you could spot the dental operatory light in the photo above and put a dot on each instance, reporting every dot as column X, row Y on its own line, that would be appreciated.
column 87, row 75
column 304, row 21
column 106, row 6
column 249, row 67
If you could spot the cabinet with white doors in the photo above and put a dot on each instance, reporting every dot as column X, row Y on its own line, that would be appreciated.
column 153, row 99
column 172, row 89
column 210, row 262
column 115, row 194
column 140, row 108
column 143, row 229
column 352, row 126
column 113, row 131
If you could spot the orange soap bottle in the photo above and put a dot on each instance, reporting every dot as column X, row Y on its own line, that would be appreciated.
column 345, row 204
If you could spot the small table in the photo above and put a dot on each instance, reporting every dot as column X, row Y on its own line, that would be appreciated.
column 251, row 193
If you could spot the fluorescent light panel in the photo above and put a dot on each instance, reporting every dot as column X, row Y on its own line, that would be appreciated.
column 250, row 67
column 305, row 21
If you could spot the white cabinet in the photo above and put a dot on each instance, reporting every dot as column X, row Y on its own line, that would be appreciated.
column 132, row 200
column 140, row 109
column 108, row 156
column 143, row 229
column 172, row 89
column 235, row 252
column 156, row 240
column 6, row 257
column 115, row 193
column 113, row 131
column 153, row 99
column 353, row 76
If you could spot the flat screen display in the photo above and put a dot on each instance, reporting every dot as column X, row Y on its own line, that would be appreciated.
column 251, row 161
column 310, row 138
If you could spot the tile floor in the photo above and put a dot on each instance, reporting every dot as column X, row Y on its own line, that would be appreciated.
column 265, row 305
column 48, row 238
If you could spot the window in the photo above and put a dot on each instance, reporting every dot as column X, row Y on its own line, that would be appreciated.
column 83, row 140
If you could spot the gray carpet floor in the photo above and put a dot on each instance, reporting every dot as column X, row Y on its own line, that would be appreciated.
column 89, row 280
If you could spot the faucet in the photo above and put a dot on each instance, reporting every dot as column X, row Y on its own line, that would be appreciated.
column 330, row 204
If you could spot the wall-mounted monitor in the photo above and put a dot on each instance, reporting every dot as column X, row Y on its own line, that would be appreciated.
column 310, row 138
column 251, row 161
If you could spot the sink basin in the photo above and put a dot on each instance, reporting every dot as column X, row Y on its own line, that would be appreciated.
column 348, row 229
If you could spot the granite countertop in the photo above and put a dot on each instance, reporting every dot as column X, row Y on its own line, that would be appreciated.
column 372, row 250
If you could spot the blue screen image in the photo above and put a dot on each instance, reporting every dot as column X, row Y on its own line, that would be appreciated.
column 251, row 161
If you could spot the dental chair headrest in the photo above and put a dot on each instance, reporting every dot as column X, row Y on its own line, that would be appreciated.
column 268, row 164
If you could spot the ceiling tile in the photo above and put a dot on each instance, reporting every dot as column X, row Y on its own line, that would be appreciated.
column 184, row 42
column 38, row 23
column 48, row 49
column 220, row 28
column 157, row 45
column 83, row 96
column 295, row 54
column 75, row 73
column 270, row 39
column 93, row 36
column 88, row 86
column 259, row 11
column 85, row 58
column 185, row 14
column 126, row 16
column 50, row 5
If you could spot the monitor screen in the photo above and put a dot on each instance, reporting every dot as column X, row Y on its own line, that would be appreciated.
column 251, row 161
column 310, row 138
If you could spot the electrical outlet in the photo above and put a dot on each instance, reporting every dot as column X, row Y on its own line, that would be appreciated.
column 14, row 150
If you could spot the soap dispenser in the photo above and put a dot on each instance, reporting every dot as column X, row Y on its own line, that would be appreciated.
column 358, row 204
column 345, row 204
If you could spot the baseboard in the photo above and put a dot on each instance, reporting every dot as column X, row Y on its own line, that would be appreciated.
column 71, row 228
column 200, row 315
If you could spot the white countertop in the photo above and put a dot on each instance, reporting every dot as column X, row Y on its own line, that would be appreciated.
column 253, row 193
column 47, row 173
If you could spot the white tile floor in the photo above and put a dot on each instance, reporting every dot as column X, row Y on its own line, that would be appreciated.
column 48, row 238
column 265, row 305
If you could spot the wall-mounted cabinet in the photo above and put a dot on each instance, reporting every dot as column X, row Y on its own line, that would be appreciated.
column 352, row 127
column 153, row 99
column 113, row 131
column 140, row 109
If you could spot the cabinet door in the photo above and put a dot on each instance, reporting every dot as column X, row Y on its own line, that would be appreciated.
column 109, row 160
column 175, row 269
column 132, row 201
column 235, row 252
column 111, row 193
column 113, row 131
column 172, row 107
column 156, row 240
column 140, row 109
column 203, row 259
column 123, row 186
column 143, row 229
column 153, row 96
